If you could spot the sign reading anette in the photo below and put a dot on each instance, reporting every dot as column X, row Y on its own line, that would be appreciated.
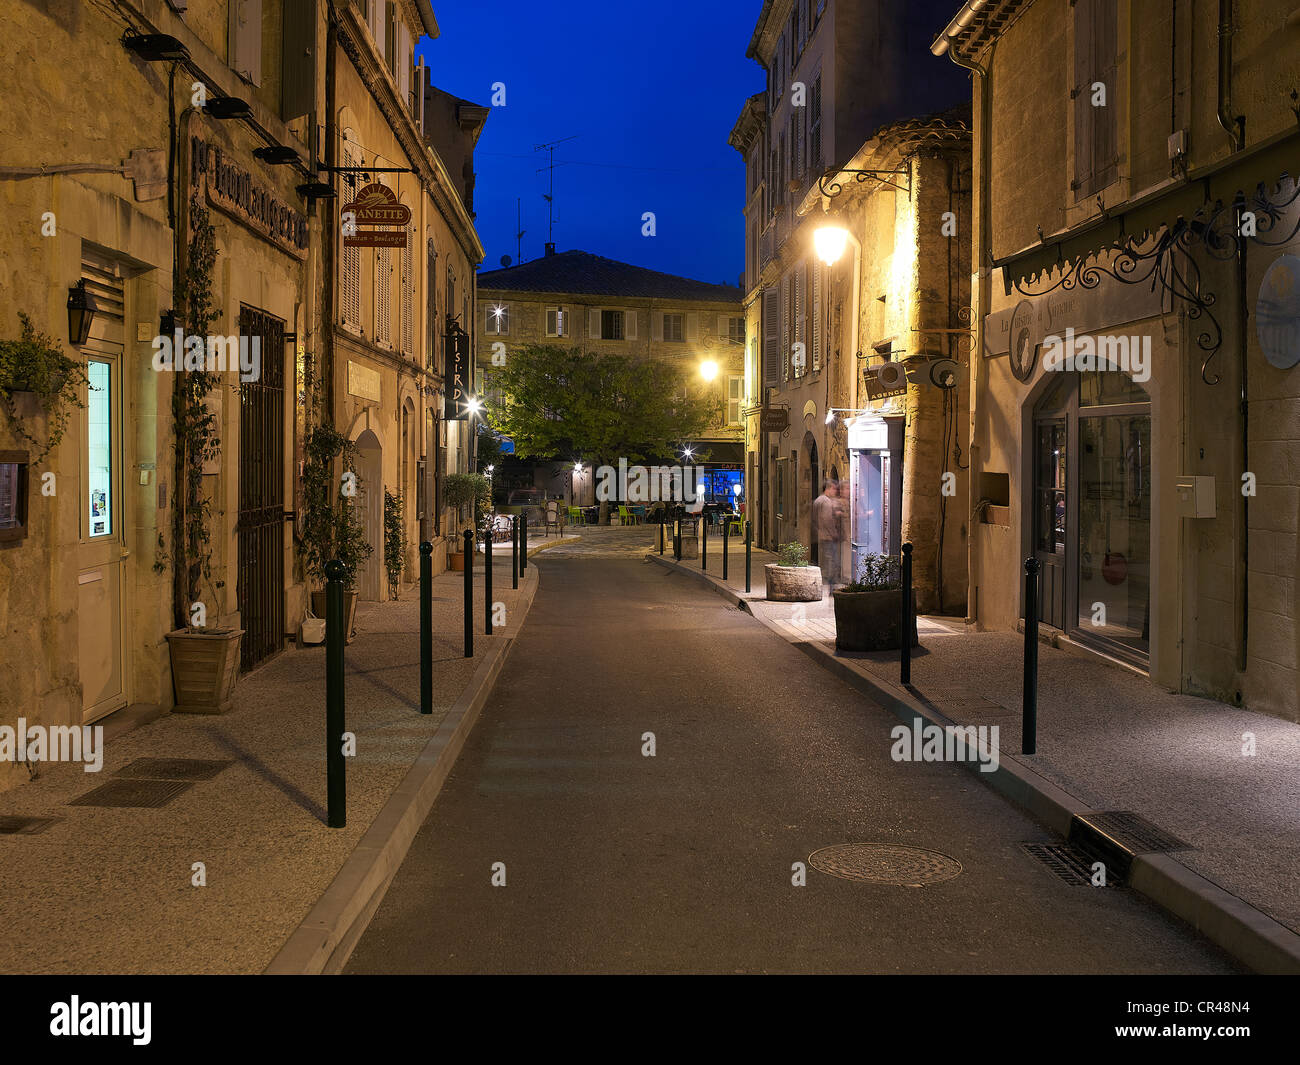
column 375, row 205
column 456, row 381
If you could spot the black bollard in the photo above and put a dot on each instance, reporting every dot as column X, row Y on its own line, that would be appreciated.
column 661, row 534
column 677, row 540
column 704, row 542
column 726, row 526
column 426, row 628
column 749, row 545
column 1029, row 727
column 514, row 551
column 469, row 593
column 487, row 581
column 523, row 544
column 335, row 638
column 905, row 660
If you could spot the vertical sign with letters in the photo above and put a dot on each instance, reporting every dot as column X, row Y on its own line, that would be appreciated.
column 456, row 383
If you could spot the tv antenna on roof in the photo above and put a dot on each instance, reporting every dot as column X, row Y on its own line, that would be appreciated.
column 549, row 149
column 519, row 224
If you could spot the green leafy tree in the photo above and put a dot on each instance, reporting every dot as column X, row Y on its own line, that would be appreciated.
column 563, row 403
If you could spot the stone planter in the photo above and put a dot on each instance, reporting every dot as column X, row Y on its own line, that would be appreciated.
column 349, row 610
column 869, row 621
column 456, row 561
column 793, row 584
column 205, row 668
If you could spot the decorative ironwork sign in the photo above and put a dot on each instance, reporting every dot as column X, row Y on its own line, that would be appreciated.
column 774, row 419
column 455, row 406
column 375, row 205
column 236, row 192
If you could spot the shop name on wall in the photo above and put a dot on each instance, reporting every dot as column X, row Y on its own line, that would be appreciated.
column 235, row 191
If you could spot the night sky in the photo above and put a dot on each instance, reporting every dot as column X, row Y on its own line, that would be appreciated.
column 649, row 94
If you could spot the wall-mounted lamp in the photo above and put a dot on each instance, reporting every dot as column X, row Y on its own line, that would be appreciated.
column 81, row 311
column 829, row 241
column 155, row 47
column 708, row 369
column 228, row 107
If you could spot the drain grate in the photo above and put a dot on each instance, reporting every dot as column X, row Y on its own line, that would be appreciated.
column 1070, row 863
column 1135, row 834
column 13, row 825
column 173, row 768
column 126, row 792
column 885, row 863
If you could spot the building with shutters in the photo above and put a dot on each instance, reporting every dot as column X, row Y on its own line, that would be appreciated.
column 575, row 299
column 111, row 205
column 1136, row 195
column 845, row 84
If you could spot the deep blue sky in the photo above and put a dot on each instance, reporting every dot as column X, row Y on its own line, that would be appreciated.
column 651, row 91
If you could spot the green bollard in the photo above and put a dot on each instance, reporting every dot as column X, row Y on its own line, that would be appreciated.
column 335, row 638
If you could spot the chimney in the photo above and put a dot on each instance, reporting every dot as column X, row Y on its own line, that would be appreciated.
column 550, row 248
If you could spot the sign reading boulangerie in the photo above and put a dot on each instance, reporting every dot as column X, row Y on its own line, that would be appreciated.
column 457, row 378
column 236, row 192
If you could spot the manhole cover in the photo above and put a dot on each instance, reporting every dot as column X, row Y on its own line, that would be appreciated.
column 127, row 792
column 13, row 825
column 174, row 768
column 885, row 863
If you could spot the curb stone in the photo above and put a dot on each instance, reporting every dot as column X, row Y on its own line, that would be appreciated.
column 324, row 941
column 1248, row 934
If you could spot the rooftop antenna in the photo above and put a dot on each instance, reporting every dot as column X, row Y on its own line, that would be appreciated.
column 549, row 149
column 519, row 223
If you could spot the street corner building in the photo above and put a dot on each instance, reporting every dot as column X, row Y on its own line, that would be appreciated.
column 182, row 210
column 1135, row 397
column 599, row 306
column 857, row 280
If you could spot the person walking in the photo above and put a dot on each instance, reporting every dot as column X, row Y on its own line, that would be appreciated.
column 828, row 517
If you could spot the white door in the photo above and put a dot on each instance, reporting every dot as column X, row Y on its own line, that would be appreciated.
column 102, row 548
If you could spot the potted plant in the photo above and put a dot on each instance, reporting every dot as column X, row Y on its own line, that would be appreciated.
column 331, row 521
column 792, row 580
column 461, row 490
column 395, row 542
column 36, row 365
column 204, row 661
column 867, row 611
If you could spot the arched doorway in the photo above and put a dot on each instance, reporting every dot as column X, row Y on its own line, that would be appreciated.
column 1090, row 510
column 809, row 488
column 370, row 500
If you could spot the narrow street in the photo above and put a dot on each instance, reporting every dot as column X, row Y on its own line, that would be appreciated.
column 682, row 862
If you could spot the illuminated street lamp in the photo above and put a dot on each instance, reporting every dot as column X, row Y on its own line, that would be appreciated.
column 829, row 241
column 708, row 369
column 473, row 404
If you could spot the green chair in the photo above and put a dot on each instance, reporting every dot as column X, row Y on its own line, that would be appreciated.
column 575, row 516
column 737, row 525
column 625, row 516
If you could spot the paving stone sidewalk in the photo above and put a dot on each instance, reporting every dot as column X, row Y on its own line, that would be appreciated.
column 1106, row 736
column 109, row 889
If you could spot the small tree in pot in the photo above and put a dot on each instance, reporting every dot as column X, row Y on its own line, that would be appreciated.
column 793, row 580
column 395, row 542
column 867, row 612
column 331, row 522
column 461, row 490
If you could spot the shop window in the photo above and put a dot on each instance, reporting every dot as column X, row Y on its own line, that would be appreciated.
column 13, row 495
column 99, row 424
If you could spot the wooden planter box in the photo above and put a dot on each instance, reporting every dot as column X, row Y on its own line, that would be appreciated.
column 205, row 668
column 793, row 584
column 349, row 610
column 869, row 621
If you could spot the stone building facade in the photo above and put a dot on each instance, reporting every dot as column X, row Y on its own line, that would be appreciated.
column 1135, row 206
column 104, row 190
column 574, row 299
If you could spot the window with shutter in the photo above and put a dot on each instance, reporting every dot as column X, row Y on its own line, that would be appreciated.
column 771, row 338
column 408, row 295
column 629, row 325
column 383, row 297
column 431, row 308
column 350, row 260
column 817, row 315
column 815, row 124
column 245, row 42
column 735, row 391
column 787, row 312
column 692, row 327
column 673, row 327
column 1096, row 142
column 801, row 367
column 593, row 324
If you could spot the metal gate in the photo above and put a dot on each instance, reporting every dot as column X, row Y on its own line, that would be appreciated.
column 261, row 491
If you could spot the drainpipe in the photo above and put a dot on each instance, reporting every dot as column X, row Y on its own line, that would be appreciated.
column 982, row 252
column 1235, row 128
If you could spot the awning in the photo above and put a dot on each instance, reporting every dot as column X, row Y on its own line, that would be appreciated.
column 1253, row 179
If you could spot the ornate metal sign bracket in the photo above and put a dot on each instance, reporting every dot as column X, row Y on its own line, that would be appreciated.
column 832, row 188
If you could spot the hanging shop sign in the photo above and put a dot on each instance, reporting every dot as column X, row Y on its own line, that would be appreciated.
column 887, row 380
column 774, row 419
column 234, row 191
column 457, row 377
column 375, row 205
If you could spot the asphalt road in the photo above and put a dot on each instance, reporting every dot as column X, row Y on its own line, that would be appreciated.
column 682, row 862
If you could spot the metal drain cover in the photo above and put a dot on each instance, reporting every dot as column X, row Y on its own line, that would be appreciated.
column 174, row 768
column 1134, row 833
column 13, row 825
column 137, row 793
column 885, row 863
column 1070, row 863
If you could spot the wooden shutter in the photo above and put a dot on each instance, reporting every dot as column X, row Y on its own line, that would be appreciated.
column 298, row 59
column 1105, row 143
column 787, row 310
column 692, row 326
column 350, row 266
column 245, row 41
column 771, row 338
column 404, row 63
column 724, row 327
column 817, row 316
column 629, row 325
column 383, row 296
column 799, row 311
column 593, row 325
column 656, row 325
column 408, row 296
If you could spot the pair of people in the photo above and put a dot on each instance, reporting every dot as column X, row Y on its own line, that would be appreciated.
column 828, row 518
